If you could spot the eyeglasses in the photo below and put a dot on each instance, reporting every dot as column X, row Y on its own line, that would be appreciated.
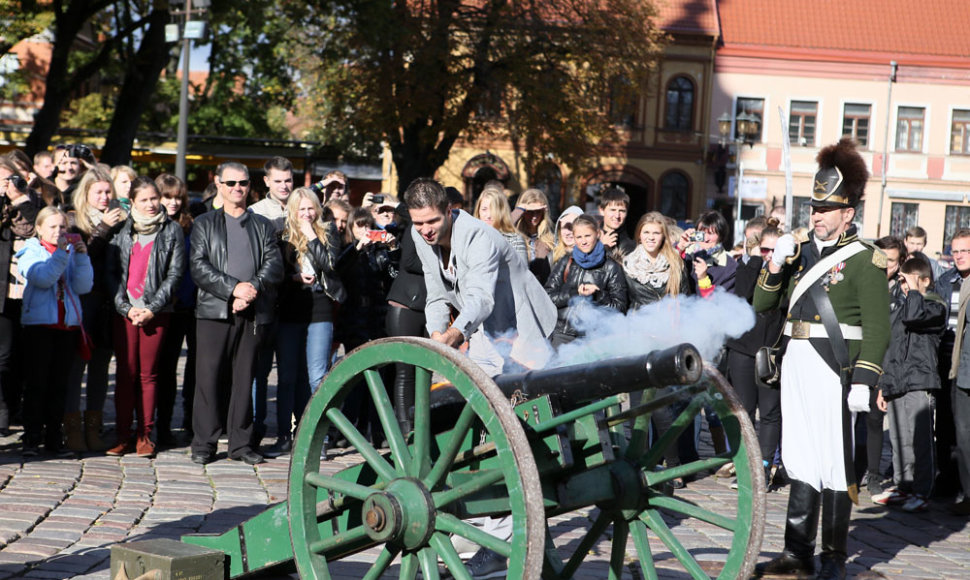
column 386, row 209
column 242, row 182
column 958, row 252
column 767, row 250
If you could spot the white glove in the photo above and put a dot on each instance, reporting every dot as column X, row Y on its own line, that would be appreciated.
column 859, row 398
column 784, row 248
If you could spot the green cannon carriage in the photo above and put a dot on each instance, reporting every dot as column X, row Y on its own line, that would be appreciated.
column 530, row 447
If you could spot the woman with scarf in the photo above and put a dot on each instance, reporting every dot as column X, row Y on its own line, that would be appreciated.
column 703, row 248
column 97, row 218
column 145, row 266
column 57, row 271
column 585, row 276
column 654, row 270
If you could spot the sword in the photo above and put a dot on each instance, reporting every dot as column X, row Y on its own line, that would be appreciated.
column 786, row 159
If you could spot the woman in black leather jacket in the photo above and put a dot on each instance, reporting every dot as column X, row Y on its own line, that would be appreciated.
column 144, row 264
column 654, row 270
column 586, row 274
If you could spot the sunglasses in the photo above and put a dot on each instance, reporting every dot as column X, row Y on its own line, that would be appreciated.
column 765, row 250
column 242, row 182
column 386, row 209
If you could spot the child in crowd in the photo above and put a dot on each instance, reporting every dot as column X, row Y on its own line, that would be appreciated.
column 910, row 377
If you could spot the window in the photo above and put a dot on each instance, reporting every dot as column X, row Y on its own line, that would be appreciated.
column 957, row 217
column 623, row 103
column 855, row 122
column 548, row 178
column 909, row 129
column 489, row 106
column 680, row 105
column 754, row 107
column 801, row 123
column 960, row 132
column 674, row 193
column 801, row 212
column 902, row 217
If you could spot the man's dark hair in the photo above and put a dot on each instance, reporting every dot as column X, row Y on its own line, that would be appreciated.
column 426, row 192
column 919, row 265
column 892, row 243
column 613, row 195
column 916, row 232
column 714, row 219
column 279, row 164
column 231, row 165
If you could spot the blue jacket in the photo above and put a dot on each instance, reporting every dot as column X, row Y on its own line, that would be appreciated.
column 42, row 270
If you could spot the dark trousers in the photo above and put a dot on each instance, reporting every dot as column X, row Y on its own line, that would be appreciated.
column 960, row 399
column 181, row 326
column 137, row 350
column 753, row 397
column 404, row 322
column 231, row 344
column 46, row 367
column 11, row 378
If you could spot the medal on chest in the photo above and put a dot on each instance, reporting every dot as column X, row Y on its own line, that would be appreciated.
column 833, row 276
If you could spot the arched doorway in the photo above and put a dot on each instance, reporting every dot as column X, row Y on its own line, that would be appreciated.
column 479, row 170
column 634, row 182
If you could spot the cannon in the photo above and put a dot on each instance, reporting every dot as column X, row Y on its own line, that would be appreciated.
column 528, row 447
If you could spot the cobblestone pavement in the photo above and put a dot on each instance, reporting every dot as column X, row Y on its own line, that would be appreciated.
column 59, row 517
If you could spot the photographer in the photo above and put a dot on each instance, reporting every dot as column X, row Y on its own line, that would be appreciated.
column 711, row 265
column 70, row 162
column 18, row 210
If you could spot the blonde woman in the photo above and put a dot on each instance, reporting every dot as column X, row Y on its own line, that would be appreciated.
column 121, row 177
column 308, row 298
column 493, row 208
column 654, row 269
column 97, row 218
column 564, row 232
column 531, row 217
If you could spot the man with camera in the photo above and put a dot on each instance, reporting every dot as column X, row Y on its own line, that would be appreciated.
column 71, row 161
column 835, row 339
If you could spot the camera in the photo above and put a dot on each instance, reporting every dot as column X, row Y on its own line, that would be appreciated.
column 378, row 198
column 697, row 237
column 702, row 254
column 79, row 151
column 18, row 183
column 378, row 235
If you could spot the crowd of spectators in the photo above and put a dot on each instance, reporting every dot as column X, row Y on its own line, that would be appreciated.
column 99, row 262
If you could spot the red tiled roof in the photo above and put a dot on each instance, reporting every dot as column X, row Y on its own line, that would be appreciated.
column 904, row 27
column 691, row 16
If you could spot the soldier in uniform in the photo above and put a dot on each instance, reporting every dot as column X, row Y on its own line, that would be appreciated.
column 835, row 286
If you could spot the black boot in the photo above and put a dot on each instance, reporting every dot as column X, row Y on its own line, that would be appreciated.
column 800, row 531
column 836, row 510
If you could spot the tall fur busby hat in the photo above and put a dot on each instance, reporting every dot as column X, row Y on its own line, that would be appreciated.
column 841, row 177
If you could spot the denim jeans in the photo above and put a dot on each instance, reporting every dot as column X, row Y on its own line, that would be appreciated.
column 319, row 343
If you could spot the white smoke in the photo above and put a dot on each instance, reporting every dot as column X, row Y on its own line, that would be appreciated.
column 705, row 323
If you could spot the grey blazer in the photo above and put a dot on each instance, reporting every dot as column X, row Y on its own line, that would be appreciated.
column 501, row 306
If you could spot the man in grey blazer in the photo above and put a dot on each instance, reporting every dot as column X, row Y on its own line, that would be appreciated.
column 500, row 308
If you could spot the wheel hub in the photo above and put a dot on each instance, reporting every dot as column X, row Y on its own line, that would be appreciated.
column 403, row 514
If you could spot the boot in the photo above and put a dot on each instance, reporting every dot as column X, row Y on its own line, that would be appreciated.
column 72, row 432
column 801, row 527
column 836, row 510
column 92, row 431
column 717, row 436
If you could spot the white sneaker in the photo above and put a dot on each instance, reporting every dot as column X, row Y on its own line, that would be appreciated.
column 916, row 503
column 465, row 547
column 487, row 564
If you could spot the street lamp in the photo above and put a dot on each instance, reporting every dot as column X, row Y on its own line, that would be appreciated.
column 747, row 129
column 192, row 29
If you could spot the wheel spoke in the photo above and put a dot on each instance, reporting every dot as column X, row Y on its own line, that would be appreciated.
column 409, row 566
column 442, row 544
column 591, row 537
column 444, row 462
column 361, row 444
column 638, row 530
column 655, row 522
column 621, row 530
column 451, row 525
column 337, row 485
column 677, row 505
column 385, row 412
column 685, row 418
column 341, row 540
column 469, row 487
column 383, row 561
column 429, row 564
column 422, row 423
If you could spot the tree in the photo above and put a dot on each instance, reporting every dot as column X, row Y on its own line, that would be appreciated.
column 421, row 74
column 20, row 20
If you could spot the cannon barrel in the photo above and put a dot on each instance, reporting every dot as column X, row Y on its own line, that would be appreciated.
column 575, row 384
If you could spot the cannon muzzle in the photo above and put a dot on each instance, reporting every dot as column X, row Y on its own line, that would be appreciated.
column 575, row 384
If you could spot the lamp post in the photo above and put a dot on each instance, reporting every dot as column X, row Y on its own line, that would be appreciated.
column 747, row 128
column 192, row 29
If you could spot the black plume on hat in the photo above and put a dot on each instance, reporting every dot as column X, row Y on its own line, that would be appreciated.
column 842, row 175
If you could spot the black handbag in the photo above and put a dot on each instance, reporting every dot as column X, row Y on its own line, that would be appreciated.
column 767, row 367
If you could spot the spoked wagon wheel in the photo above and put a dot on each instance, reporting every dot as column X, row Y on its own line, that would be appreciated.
column 409, row 500
column 645, row 507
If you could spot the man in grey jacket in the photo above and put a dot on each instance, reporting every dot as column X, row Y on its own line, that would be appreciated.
column 501, row 309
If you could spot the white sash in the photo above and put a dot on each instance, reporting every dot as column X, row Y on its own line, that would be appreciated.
column 822, row 266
